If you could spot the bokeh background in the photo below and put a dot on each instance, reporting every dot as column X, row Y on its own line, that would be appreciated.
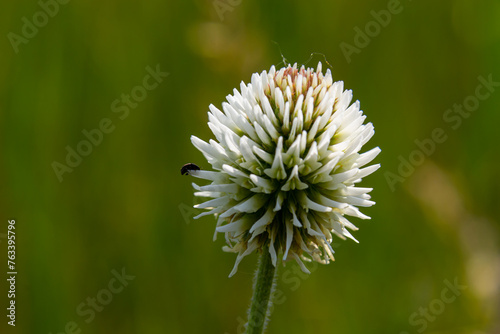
column 126, row 207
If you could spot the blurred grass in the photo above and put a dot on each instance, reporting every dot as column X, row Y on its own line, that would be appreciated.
column 120, row 208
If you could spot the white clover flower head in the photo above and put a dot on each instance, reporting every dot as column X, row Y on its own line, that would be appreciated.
column 286, row 165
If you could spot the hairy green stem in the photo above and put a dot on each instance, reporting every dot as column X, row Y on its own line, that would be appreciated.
column 263, row 291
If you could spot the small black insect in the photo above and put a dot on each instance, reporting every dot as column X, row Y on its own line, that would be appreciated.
column 187, row 167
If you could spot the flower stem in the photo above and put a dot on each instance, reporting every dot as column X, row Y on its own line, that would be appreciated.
column 263, row 291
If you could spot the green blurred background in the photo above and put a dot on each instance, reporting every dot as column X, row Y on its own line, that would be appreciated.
column 125, row 205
